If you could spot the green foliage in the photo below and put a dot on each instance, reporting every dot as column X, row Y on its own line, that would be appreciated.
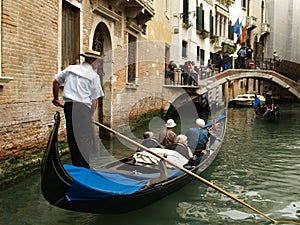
column 229, row 48
column 143, row 119
column 17, row 167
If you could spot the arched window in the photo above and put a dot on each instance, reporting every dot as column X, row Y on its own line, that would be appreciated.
column 98, row 43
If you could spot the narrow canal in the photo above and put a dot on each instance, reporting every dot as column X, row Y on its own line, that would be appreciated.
column 259, row 163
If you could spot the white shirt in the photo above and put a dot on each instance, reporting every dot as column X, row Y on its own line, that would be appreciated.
column 81, row 84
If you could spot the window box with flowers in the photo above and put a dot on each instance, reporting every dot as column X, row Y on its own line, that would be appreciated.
column 214, row 38
column 203, row 33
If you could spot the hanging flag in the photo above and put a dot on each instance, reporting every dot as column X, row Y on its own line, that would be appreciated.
column 244, row 35
column 238, row 41
column 236, row 27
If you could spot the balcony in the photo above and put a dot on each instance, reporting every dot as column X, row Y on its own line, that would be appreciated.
column 265, row 29
column 203, row 33
column 214, row 39
column 140, row 10
column 225, row 45
column 251, row 22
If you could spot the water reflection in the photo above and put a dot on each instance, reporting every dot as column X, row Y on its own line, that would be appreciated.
column 259, row 163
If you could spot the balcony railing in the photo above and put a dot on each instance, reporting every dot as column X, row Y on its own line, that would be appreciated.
column 149, row 2
column 251, row 22
column 265, row 28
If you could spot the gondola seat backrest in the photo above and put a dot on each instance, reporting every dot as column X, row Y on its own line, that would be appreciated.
column 180, row 148
column 151, row 143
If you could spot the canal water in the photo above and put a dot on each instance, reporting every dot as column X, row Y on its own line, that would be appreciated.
column 259, row 162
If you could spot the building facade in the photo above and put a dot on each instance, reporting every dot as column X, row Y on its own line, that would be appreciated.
column 138, row 38
column 202, row 30
column 283, row 17
column 41, row 38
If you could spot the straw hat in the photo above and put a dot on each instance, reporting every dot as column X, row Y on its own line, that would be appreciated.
column 92, row 54
column 200, row 122
column 170, row 123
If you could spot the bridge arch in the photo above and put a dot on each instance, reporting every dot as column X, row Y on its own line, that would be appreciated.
column 177, row 94
column 290, row 85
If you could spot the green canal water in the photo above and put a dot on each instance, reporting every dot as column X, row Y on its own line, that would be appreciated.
column 259, row 162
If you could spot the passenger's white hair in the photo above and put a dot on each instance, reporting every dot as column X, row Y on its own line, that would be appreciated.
column 200, row 122
column 181, row 138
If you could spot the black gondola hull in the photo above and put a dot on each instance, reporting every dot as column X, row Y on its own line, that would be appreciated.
column 56, row 182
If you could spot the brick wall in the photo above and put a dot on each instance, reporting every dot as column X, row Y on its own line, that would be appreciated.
column 29, row 55
column 29, row 49
column 26, row 126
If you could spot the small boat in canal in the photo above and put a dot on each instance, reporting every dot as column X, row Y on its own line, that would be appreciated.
column 124, row 185
column 268, row 112
column 246, row 100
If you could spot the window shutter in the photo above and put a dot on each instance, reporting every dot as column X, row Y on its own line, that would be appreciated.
column 211, row 24
column 185, row 12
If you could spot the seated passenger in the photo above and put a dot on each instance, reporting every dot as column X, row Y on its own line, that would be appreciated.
column 269, row 109
column 259, row 110
column 148, row 134
column 149, row 141
column 167, row 136
column 198, row 138
column 181, row 138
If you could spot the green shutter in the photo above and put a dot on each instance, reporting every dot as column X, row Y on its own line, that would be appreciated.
column 211, row 25
column 202, row 18
column 198, row 18
column 185, row 13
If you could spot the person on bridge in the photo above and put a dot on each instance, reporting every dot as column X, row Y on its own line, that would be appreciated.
column 249, row 51
column 275, row 59
column 210, row 68
column 226, row 61
column 242, row 56
column 171, row 73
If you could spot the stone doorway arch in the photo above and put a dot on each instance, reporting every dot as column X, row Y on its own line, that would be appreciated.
column 102, row 43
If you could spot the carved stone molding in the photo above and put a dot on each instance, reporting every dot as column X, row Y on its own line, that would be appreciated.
column 134, row 27
column 106, row 13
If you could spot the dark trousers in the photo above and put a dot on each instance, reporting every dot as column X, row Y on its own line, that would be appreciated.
column 79, row 132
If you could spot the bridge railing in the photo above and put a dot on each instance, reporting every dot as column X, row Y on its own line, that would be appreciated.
column 181, row 77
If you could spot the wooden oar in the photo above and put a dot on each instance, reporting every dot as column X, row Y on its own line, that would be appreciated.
column 194, row 175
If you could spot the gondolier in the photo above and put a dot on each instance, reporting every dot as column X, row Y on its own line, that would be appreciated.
column 82, row 89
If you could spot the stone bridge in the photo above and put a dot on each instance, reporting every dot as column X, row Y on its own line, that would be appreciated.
column 178, row 95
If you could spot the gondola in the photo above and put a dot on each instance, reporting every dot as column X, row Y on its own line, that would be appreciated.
column 269, row 115
column 266, row 112
column 123, row 185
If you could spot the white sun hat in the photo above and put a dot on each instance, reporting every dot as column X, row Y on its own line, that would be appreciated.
column 170, row 123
